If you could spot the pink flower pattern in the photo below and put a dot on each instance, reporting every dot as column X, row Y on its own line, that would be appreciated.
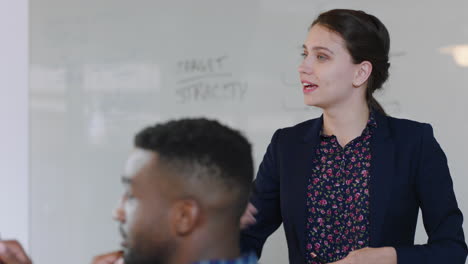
column 338, row 197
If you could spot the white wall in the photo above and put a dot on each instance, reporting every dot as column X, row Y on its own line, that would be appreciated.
column 14, row 181
column 101, row 70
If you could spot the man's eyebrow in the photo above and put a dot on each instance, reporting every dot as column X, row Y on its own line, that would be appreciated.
column 318, row 48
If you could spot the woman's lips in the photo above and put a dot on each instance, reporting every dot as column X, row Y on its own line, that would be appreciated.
column 308, row 87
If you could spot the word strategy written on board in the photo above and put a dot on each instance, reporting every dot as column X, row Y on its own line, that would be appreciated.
column 208, row 79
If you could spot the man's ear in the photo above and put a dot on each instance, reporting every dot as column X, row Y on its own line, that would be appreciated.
column 184, row 216
column 363, row 71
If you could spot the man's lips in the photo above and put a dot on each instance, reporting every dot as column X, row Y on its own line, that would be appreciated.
column 124, row 237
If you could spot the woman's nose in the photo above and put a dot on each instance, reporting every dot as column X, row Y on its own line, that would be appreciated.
column 306, row 66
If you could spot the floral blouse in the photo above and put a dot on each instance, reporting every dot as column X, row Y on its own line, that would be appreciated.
column 338, row 197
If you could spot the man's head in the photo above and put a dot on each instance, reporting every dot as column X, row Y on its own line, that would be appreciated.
column 184, row 180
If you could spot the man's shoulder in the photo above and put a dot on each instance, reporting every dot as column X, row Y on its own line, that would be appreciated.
column 250, row 258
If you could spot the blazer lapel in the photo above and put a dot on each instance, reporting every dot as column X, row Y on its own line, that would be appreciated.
column 382, row 172
column 305, row 155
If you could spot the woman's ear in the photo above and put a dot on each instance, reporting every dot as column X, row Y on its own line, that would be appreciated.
column 184, row 216
column 363, row 71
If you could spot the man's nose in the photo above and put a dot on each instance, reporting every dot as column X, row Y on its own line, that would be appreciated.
column 119, row 212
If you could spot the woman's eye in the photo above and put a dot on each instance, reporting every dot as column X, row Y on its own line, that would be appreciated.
column 322, row 57
column 303, row 55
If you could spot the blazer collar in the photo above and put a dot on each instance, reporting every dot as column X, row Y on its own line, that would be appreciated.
column 383, row 127
column 313, row 133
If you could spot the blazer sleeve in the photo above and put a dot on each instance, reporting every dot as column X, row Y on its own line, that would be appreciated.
column 266, row 198
column 441, row 216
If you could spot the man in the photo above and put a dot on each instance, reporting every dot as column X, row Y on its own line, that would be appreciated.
column 187, row 184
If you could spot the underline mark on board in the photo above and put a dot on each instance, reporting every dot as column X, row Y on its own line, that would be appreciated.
column 209, row 75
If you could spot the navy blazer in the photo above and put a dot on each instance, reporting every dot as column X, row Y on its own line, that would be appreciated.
column 408, row 171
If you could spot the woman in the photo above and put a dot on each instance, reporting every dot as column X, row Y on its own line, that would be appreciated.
column 348, row 186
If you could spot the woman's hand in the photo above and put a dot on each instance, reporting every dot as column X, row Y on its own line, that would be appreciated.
column 11, row 252
column 382, row 255
column 248, row 217
column 109, row 258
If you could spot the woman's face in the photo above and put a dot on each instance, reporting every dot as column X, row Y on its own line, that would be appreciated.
column 327, row 71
